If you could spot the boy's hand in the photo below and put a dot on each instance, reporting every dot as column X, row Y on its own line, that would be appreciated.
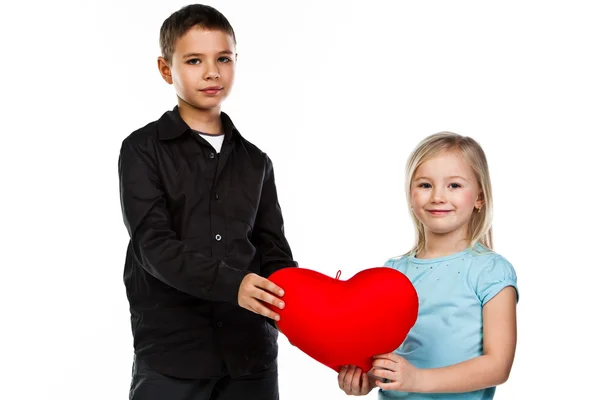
column 354, row 382
column 256, row 290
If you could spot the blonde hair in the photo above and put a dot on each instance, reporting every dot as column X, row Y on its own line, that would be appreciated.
column 480, row 224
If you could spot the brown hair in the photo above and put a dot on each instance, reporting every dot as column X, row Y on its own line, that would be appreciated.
column 186, row 18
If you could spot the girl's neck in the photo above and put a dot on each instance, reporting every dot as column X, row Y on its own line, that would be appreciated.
column 443, row 245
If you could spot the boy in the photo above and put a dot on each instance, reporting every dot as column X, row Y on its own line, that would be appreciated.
column 201, row 208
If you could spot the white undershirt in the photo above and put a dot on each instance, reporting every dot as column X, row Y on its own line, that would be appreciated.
column 215, row 141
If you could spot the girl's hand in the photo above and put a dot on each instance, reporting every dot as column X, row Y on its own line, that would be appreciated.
column 401, row 374
column 354, row 382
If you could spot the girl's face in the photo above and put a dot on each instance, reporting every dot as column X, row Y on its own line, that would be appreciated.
column 444, row 193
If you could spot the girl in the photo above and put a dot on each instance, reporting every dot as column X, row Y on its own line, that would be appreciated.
column 463, row 343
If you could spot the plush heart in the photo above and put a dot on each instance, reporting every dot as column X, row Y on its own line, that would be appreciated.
column 339, row 322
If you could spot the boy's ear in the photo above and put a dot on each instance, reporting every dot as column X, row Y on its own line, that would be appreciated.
column 165, row 70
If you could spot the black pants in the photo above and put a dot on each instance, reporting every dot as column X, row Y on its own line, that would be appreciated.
column 147, row 384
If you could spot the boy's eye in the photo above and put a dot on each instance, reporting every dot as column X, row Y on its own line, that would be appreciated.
column 224, row 59
column 193, row 61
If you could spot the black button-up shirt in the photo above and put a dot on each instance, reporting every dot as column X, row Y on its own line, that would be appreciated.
column 198, row 223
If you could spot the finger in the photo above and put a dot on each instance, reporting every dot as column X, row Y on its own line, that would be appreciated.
column 356, row 381
column 266, row 297
column 348, row 377
column 382, row 363
column 382, row 373
column 264, row 311
column 347, row 372
column 364, row 387
column 388, row 356
column 270, row 286
column 342, row 375
column 256, row 308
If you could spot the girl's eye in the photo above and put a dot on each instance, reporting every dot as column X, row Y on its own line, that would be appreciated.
column 425, row 185
column 454, row 185
column 225, row 59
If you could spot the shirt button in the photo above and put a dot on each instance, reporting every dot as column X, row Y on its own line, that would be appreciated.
column 216, row 196
column 212, row 155
column 218, row 237
column 219, row 324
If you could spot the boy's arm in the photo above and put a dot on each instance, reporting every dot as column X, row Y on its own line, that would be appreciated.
column 268, row 232
column 156, row 246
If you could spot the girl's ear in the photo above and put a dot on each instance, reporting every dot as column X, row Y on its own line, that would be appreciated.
column 480, row 201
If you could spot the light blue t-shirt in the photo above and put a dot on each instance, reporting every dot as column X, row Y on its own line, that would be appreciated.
column 452, row 291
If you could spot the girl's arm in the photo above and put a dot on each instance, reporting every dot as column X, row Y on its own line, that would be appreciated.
column 490, row 369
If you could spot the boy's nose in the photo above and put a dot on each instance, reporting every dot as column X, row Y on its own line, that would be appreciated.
column 212, row 73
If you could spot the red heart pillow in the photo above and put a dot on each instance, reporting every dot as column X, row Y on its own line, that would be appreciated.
column 340, row 322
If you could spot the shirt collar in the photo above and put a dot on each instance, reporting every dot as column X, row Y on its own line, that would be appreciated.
column 171, row 126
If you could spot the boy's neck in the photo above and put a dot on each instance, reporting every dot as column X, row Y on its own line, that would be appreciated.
column 202, row 120
column 443, row 245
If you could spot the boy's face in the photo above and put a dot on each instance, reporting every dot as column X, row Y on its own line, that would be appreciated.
column 202, row 68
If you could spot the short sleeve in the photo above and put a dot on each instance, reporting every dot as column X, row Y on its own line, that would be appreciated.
column 497, row 274
column 397, row 263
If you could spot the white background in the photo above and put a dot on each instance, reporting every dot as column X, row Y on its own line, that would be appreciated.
column 338, row 94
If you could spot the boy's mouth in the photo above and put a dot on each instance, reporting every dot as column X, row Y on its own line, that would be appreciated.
column 212, row 89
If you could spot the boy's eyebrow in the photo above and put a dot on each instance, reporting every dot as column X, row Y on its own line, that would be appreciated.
column 201, row 54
